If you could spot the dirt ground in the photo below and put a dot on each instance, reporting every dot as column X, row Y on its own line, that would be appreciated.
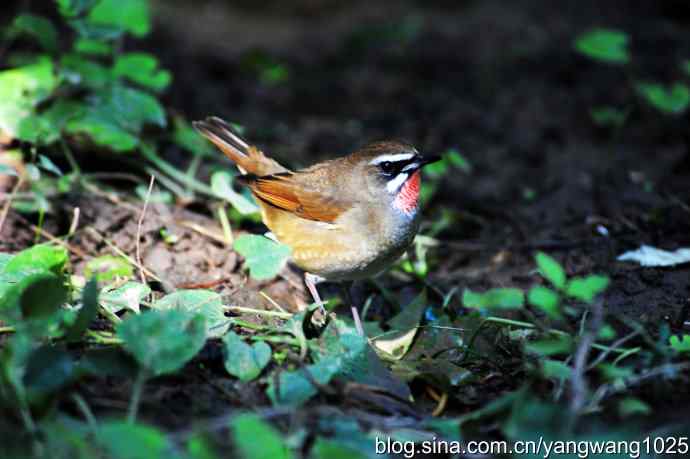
column 496, row 80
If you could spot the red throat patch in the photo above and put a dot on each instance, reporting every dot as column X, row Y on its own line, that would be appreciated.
column 407, row 197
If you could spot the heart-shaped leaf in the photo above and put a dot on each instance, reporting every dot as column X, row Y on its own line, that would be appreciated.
column 242, row 360
column 205, row 302
column 264, row 257
column 128, row 296
column 163, row 341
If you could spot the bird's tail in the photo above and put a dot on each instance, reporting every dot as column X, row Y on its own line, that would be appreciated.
column 248, row 158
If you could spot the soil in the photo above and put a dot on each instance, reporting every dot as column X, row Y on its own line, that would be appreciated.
column 496, row 80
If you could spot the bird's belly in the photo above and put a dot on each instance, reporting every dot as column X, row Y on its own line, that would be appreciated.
column 341, row 257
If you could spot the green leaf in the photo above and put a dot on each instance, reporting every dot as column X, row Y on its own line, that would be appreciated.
column 358, row 362
column 256, row 439
column 107, row 268
column 95, row 47
column 608, row 116
column 46, row 164
column 496, row 298
column 670, row 100
column 681, row 345
column 73, row 8
column 199, row 447
column 586, row 288
column 403, row 329
column 545, row 300
column 242, row 360
column 128, row 15
column 81, row 71
column 560, row 344
column 40, row 257
column 128, row 296
column 49, row 369
column 37, row 26
column 41, row 294
column 611, row 372
column 115, row 117
column 607, row 45
column 631, row 406
column 142, row 68
column 205, row 302
column 46, row 127
column 292, row 388
column 263, row 257
column 163, row 341
column 551, row 270
column 22, row 89
column 555, row 369
column 87, row 313
column 123, row 440
column 221, row 184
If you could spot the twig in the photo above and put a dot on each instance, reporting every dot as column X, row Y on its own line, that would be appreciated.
column 225, row 224
column 85, row 411
column 202, row 230
column 137, row 390
column 607, row 390
column 75, row 222
column 121, row 253
column 578, row 382
column 260, row 312
column 142, row 276
column 273, row 302
column 78, row 252
column 601, row 357
column 8, row 203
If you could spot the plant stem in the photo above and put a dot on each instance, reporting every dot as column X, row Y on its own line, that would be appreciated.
column 225, row 224
column 86, row 411
column 176, row 174
column 192, row 169
column 521, row 324
column 167, row 182
column 260, row 312
column 251, row 326
column 137, row 390
column 100, row 338
column 70, row 157
column 7, row 329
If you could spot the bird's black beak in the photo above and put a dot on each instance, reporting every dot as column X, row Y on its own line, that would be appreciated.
column 429, row 160
column 421, row 162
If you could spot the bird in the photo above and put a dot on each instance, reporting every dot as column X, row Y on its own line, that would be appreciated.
column 345, row 219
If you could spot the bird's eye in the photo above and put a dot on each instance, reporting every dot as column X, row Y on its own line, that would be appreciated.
column 386, row 167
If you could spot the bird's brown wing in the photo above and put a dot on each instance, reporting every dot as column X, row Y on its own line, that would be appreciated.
column 287, row 192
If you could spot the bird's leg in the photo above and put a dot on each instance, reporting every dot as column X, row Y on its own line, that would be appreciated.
column 346, row 286
column 310, row 281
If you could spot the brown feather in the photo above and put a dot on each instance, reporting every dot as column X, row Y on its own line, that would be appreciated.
column 248, row 158
column 287, row 193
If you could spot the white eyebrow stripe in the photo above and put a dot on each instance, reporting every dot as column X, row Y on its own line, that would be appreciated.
column 394, row 185
column 392, row 158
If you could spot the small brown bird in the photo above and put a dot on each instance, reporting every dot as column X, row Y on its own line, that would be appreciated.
column 345, row 219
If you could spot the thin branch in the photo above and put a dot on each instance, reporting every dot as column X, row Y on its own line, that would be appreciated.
column 8, row 203
column 578, row 381
column 139, row 224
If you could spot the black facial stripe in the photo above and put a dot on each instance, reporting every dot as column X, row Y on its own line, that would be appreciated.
column 393, row 168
